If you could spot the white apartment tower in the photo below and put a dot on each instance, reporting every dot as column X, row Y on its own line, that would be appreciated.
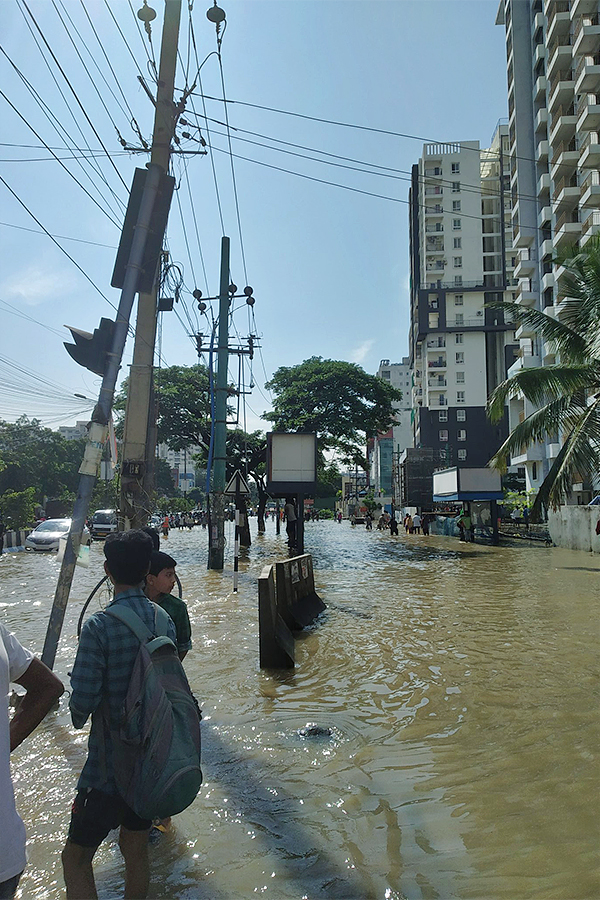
column 460, row 349
column 553, row 68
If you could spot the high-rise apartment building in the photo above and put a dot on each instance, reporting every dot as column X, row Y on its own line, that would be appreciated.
column 460, row 349
column 553, row 68
column 382, row 448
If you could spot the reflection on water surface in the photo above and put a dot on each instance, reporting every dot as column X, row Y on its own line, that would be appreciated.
column 459, row 684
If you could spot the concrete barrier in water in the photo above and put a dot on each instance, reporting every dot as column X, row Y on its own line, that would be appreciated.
column 287, row 601
column 15, row 540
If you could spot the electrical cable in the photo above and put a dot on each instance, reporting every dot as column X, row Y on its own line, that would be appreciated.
column 21, row 315
column 39, row 137
column 62, row 237
column 131, row 53
column 75, row 95
column 151, row 58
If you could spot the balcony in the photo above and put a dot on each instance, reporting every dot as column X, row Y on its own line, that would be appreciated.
column 582, row 8
column 590, row 151
column 438, row 384
column 567, row 229
column 560, row 52
column 546, row 249
column 543, row 185
column 588, row 114
column 457, row 286
column 590, row 227
column 439, row 363
column 434, row 210
column 561, row 88
column 544, row 215
column 526, row 296
column 590, row 189
column 563, row 125
column 566, row 195
column 436, row 229
column 526, row 263
column 539, row 89
column 525, row 331
column 547, row 281
column 541, row 151
column 558, row 19
column 566, row 155
column 435, row 343
column 586, row 38
column 587, row 75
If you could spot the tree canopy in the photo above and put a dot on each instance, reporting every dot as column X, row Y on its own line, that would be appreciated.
column 183, row 405
column 566, row 395
column 338, row 400
column 37, row 457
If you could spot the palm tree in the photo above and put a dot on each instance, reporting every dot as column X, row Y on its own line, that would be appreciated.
column 566, row 395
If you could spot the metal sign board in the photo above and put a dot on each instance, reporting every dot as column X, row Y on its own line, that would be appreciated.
column 291, row 462
column 237, row 484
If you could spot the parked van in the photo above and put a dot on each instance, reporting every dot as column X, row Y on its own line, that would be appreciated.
column 104, row 521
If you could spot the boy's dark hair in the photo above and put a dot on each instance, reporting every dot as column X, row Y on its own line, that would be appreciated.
column 160, row 561
column 153, row 535
column 128, row 555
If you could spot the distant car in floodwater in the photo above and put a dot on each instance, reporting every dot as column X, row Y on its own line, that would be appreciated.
column 104, row 521
column 47, row 535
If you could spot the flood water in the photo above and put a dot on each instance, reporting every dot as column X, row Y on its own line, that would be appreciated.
column 460, row 684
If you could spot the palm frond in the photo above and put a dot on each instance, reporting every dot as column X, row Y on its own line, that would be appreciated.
column 579, row 455
column 542, row 384
column 572, row 344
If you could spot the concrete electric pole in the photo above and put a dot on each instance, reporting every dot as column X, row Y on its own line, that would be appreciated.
column 139, row 439
column 105, row 348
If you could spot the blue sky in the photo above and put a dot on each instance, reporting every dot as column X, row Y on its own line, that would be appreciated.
column 329, row 266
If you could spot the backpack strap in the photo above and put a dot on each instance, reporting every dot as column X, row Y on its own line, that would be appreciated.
column 142, row 633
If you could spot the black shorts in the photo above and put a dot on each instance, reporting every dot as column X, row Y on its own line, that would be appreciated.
column 95, row 813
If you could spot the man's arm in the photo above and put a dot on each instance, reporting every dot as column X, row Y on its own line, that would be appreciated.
column 43, row 689
column 87, row 675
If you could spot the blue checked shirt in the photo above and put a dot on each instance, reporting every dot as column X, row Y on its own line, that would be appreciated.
column 103, row 666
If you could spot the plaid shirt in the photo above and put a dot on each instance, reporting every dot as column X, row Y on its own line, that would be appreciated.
column 102, row 670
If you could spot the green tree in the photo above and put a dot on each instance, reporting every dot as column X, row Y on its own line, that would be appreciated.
column 38, row 457
column 18, row 508
column 183, row 404
column 566, row 395
column 337, row 400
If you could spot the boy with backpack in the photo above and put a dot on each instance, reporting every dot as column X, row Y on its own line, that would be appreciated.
column 144, row 745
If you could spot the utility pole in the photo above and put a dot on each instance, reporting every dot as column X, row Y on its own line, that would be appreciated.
column 216, row 537
column 139, row 439
column 110, row 370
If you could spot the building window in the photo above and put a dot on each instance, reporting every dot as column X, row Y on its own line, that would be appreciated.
column 443, row 415
column 457, row 243
column 461, row 434
column 460, row 358
column 456, row 224
column 534, row 472
column 460, row 319
column 458, row 262
column 458, row 299
column 461, row 415
column 460, row 377
column 455, row 168
column 443, row 435
column 456, row 187
column 386, row 374
column 458, row 337
column 460, row 396
column 456, row 206
column 462, row 454
column 458, row 281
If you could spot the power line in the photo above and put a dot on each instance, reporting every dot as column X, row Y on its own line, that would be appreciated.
column 61, row 237
column 233, row 179
column 72, row 89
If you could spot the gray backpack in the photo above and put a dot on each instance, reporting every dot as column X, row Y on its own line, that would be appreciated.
column 156, row 749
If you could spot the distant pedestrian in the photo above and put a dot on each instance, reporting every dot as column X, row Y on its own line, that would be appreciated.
column 408, row 523
column 291, row 518
column 43, row 688
column 417, row 523
column 165, row 527
column 369, row 522
column 1, row 535
column 425, row 524
column 393, row 526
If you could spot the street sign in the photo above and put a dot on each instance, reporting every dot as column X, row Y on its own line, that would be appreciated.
column 237, row 484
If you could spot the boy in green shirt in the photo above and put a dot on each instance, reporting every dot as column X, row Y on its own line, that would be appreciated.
column 160, row 581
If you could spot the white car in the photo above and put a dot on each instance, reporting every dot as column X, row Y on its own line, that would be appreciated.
column 48, row 534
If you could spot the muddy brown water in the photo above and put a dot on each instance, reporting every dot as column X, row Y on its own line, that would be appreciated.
column 460, row 687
